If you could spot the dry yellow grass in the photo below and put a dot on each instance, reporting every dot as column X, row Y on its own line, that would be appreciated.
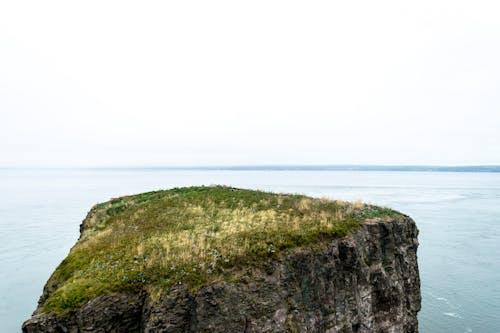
column 192, row 236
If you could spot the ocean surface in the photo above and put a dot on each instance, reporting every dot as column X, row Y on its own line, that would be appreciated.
column 458, row 214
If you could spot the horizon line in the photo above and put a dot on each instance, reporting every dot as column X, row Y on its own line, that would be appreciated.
column 285, row 167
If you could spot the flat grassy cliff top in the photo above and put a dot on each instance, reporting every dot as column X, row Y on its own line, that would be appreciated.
column 192, row 236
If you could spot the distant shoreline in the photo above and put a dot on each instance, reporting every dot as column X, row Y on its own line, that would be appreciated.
column 391, row 168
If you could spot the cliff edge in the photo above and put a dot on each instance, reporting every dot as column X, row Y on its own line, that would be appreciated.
column 220, row 259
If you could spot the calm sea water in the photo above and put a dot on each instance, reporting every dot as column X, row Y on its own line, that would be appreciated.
column 458, row 215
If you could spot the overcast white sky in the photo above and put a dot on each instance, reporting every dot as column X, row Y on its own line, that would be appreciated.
column 144, row 83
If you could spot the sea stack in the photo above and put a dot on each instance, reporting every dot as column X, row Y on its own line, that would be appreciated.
column 221, row 259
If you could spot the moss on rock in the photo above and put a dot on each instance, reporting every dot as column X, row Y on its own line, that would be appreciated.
column 192, row 236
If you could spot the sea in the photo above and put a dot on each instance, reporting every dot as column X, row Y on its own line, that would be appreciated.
column 457, row 213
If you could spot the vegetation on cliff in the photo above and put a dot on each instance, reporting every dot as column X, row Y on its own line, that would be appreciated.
column 192, row 236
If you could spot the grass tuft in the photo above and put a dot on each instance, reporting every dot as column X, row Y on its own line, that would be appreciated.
column 192, row 236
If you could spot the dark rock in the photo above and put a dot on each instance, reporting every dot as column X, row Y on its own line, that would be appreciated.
column 366, row 282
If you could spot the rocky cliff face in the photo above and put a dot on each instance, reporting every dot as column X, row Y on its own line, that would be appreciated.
column 365, row 282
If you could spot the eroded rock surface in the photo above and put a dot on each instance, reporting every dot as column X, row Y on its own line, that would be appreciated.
column 365, row 282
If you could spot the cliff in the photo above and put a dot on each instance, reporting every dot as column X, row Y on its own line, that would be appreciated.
column 219, row 259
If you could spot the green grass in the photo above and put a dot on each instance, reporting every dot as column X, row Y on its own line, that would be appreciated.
column 193, row 236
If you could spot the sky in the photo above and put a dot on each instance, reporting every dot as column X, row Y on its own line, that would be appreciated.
column 192, row 83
